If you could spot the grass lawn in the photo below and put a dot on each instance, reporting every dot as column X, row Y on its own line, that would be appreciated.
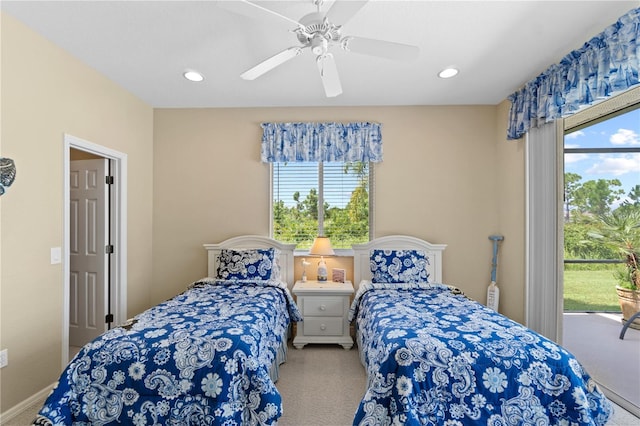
column 587, row 291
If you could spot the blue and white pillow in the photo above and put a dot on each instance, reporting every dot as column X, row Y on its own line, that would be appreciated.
column 249, row 264
column 399, row 266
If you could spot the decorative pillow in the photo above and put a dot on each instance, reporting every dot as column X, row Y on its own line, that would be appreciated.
column 249, row 264
column 399, row 266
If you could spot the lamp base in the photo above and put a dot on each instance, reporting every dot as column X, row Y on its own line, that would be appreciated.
column 322, row 270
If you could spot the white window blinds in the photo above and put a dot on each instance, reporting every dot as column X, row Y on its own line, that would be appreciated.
column 341, row 188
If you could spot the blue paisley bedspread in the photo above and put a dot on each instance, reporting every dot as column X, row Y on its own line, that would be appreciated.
column 434, row 357
column 201, row 358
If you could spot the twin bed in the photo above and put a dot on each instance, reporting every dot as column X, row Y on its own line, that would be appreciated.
column 432, row 357
column 208, row 356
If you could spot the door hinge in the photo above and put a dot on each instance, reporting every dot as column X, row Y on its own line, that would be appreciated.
column 108, row 249
column 109, row 180
column 108, row 318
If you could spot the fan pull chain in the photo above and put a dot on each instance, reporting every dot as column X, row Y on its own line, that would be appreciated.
column 320, row 60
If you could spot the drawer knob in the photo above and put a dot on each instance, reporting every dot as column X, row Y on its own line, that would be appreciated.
column 323, row 308
column 323, row 327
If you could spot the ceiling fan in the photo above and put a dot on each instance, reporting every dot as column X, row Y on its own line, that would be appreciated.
column 319, row 32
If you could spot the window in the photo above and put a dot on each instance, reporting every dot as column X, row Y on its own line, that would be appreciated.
column 602, row 175
column 343, row 189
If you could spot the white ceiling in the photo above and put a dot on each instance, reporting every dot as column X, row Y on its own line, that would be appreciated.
column 145, row 46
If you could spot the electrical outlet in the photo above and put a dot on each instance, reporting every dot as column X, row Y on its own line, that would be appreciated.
column 4, row 358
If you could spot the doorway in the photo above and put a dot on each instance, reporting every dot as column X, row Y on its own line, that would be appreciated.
column 601, row 183
column 113, row 232
column 89, row 249
column 545, row 236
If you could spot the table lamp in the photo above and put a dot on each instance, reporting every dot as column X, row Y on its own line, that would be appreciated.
column 322, row 247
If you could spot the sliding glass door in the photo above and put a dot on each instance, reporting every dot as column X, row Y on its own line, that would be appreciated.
column 601, row 186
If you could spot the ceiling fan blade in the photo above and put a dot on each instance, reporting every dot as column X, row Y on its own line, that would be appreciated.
column 257, row 12
column 343, row 10
column 384, row 49
column 270, row 63
column 329, row 75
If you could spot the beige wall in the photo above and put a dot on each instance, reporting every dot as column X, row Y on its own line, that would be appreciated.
column 510, row 185
column 195, row 177
column 45, row 94
column 442, row 179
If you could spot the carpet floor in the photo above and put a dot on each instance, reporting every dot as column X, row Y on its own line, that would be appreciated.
column 321, row 385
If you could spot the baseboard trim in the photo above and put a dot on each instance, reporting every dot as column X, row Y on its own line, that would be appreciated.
column 19, row 408
column 619, row 400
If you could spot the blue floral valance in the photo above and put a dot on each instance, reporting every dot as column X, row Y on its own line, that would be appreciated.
column 607, row 64
column 321, row 142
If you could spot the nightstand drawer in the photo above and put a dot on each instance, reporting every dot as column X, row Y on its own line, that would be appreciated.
column 323, row 306
column 331, row 326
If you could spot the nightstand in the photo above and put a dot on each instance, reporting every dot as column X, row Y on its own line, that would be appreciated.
column 325, row 308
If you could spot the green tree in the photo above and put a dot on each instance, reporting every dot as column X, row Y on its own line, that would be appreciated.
column 345, row 226
column 634, row 195
column 578, row 245
column 633, row 201
column 620, row 231
column 358, row 206
column 298, row 224
column 350, row 225
column 597, row 196
column 309, row 206
column 571, row 184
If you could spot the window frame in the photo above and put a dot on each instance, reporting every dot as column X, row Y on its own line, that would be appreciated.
column 338, row 251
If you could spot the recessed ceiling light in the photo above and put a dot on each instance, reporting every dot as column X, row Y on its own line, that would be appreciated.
column 448, row 73
column 193, row 75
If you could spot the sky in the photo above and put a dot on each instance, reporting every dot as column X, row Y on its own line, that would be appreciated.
column 620, row 131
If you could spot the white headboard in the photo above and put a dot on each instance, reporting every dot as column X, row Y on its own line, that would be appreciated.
column 253, row 242
column 361, row 253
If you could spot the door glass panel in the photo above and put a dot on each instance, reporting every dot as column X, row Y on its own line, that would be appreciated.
column 601, row 176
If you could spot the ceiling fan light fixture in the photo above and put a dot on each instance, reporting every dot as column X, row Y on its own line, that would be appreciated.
column 448, row 72
column 318, row 32
column 192, row 75
column 319, row 44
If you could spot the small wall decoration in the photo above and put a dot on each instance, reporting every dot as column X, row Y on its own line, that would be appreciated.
column 7, row 173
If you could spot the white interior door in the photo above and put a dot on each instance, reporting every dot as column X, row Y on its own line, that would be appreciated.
column 87, row 254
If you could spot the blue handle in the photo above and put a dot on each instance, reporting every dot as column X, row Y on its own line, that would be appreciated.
column 494, row 262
